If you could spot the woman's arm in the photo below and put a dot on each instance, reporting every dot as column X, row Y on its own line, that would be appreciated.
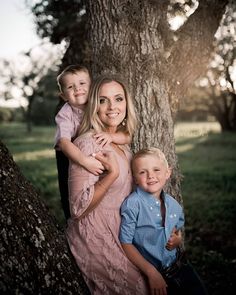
column 109, row 162
column 156, row 282
column 74, row 154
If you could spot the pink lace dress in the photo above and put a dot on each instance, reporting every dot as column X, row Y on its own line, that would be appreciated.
column 93, row 240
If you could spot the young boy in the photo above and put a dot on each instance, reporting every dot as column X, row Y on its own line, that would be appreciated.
column 74, row 83
column 150, row 228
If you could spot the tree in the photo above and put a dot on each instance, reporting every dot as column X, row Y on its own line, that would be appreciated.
column 134, row 39
column 219, row 88
column 23, row 75
column 34, row 256
column 52, row 21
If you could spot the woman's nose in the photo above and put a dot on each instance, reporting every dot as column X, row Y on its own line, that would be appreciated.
column 111, row 104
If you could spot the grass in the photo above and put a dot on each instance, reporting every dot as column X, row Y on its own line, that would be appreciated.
column 35, row 155
column 208, row 163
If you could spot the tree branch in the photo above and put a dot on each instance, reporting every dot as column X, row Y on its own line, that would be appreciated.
column 194, row 45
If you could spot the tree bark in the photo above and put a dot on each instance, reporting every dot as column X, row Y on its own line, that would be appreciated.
column 34, row 256
column 133, row 38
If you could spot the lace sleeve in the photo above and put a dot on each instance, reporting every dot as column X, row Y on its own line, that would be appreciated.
column 81, row 182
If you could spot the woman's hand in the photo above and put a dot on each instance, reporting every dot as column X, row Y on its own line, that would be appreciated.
column 175, row 240
column 92, row 165
column 109, row 162
column 157, row 283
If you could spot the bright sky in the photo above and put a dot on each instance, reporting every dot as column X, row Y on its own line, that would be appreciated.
column 17, row 32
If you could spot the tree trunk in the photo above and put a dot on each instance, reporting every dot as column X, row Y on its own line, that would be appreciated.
column 133, row 38
column 34, row 256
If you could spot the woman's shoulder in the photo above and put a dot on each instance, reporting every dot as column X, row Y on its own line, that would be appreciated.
column 85, row 137
column 87, row 143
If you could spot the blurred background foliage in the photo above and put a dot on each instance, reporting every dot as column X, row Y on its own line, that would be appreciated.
column 213, row 97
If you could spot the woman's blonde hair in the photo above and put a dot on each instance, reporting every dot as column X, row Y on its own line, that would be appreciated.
column 91, row 119
column 153, row 151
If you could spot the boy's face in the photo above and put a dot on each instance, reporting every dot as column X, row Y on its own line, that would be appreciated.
column 75, row 88
column 151, row 174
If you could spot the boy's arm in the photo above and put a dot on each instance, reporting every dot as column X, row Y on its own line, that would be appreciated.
column 75, row 155
column 121, row 138
column 155, row 279
column 104, row 138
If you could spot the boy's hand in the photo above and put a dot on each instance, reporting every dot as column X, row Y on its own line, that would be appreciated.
column 108, row 160
column 103, row 138
column 157, row 283
column 93, row 165
column 174, row 240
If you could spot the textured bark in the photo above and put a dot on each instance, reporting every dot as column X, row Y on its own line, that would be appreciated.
column 133, row 38
column 34, row 256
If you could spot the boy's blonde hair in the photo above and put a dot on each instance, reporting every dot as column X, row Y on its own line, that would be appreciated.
column 71, row 69
column 91, row 119
column 152, row 151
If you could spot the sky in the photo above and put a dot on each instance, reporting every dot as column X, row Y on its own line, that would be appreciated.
column 17, row 35
column 17, row 30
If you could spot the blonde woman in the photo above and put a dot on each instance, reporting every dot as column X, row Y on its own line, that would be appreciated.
column 95, row 201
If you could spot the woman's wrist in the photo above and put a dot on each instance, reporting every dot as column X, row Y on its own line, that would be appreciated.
column 113, row 173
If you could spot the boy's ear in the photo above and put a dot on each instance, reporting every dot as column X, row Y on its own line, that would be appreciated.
column 134, row 180
column 61, row 95
column 168, row 173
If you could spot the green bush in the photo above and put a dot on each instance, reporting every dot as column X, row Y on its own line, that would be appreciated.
column 6, row 115
column 43, row 111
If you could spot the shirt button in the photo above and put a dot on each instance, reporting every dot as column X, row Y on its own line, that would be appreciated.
column 151, row 208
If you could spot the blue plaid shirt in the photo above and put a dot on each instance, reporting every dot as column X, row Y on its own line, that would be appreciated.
column 141, row 225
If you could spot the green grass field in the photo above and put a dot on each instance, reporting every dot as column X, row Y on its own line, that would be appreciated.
column 208, row 163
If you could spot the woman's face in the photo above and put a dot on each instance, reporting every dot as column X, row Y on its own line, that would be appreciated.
column 112, row 109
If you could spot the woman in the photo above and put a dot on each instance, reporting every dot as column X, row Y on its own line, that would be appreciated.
column 95, row 201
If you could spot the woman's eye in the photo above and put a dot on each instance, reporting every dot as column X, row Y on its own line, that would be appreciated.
column 102, row 100
column 120, row 98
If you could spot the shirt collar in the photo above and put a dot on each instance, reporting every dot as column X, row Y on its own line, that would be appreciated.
column 77, row 110
column 149, row 197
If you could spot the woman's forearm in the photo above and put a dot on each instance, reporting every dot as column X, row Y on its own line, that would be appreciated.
column 137, row 259
column 100, row 189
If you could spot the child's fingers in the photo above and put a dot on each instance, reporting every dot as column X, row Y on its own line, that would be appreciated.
column 97, row 135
